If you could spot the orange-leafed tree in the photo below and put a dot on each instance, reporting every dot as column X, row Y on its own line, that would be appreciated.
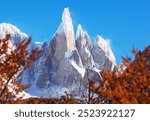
column 14, row 60
column 129, row 86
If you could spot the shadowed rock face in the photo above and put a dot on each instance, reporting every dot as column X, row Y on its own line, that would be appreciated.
column 67, row 63
column 84, row 46
column 103, row 55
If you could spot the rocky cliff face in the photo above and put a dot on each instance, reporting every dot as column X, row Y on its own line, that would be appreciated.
column 84, row 47
column 103, row 55
column 67, row 62
column 63, row 66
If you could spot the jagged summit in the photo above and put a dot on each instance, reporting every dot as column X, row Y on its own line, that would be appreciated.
column 84, row 45
column 66, row 16
column 82, row 38
column 104, row 45
column 66, row 28
column 79, row 33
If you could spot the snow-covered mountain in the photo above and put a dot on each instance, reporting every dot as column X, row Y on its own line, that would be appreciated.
column 67, row 62
column 16, row 34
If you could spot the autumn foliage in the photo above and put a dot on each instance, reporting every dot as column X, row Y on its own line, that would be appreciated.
column 129, row 86
column 14, row 60
column 61, row 100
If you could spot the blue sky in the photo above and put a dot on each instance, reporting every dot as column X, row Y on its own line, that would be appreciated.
column 126, row 23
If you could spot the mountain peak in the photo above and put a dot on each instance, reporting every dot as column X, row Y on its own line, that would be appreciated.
column 80, row 32
column 79, row 27
column 99, row 41
column 66, row 17
column 66, row 29
column 105, row 46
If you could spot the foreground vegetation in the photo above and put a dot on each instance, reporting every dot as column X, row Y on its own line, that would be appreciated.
column 62, row 100
column 129, row 86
